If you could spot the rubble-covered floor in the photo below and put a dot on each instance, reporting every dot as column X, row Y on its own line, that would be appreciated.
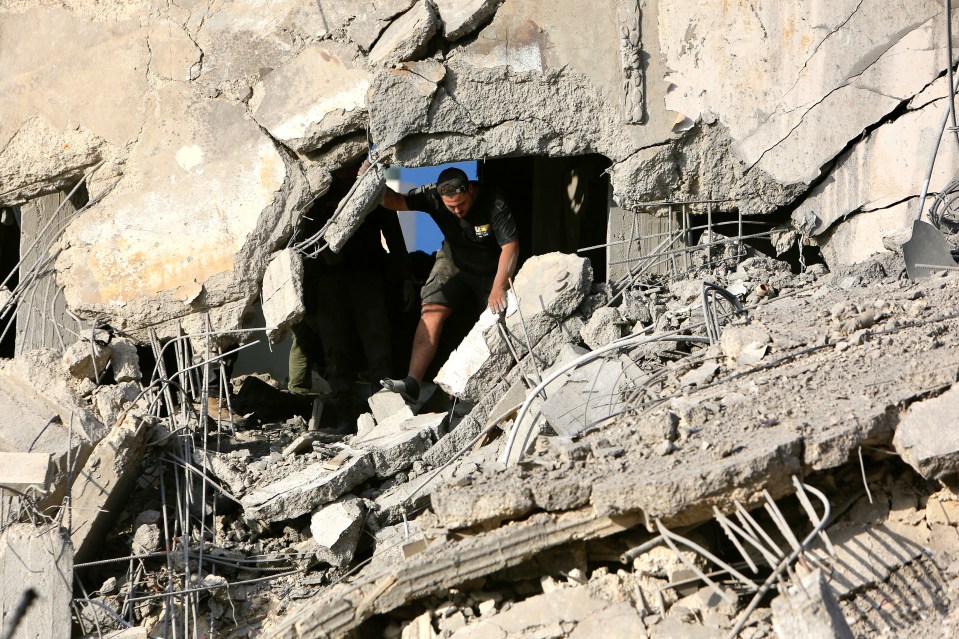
column 414, row 527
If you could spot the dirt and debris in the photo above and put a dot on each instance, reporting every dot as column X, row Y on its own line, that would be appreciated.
column 656, row 494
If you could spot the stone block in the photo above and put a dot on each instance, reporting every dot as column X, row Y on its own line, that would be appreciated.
column 37, row 560
column 282, row 297
column 111, row 401
column 336, row 529
column 809, row 611
column 124, row 360
column 316, row 96
column 461, row 17
column 923, row 439
column 365, row 196
column 396, row 444
column 85, row 360
column 103, row 484
column 302, row 491
column 547, row 289
column 737, row 340
column 21, row 471
column 386, row 405
column 407, row 37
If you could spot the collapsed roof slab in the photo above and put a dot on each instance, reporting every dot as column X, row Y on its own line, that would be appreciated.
column 345, row 606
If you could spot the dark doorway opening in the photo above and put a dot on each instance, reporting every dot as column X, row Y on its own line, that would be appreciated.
column 560, row 204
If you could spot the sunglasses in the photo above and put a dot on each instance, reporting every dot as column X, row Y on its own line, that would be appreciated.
column 453, row 189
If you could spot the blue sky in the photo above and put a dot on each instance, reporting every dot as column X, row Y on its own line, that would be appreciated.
column 428, row 236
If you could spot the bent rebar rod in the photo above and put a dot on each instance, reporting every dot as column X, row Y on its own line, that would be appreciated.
column 584, row 359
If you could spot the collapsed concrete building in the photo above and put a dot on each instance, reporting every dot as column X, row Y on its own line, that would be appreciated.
column 712, row 386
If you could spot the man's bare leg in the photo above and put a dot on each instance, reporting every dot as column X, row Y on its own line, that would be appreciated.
column 427, row 338
column 425, row 342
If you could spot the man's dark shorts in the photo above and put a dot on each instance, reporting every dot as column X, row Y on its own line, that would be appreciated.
column 449, row 286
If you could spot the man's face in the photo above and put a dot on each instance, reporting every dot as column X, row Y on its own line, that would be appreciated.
column 460, row 204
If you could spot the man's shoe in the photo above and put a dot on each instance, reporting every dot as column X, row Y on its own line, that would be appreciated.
column 219, row 411
column 409, row 388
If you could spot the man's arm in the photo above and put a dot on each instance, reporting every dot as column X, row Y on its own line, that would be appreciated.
column 394, row 201
column 509, row 254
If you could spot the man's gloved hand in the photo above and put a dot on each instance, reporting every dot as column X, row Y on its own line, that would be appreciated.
column 410, row 288
column 497, row 300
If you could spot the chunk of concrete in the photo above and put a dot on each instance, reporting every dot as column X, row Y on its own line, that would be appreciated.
column 566, row 612
column 387, row 405
column 302, row 491
column 124, row 360
column 103, row 484
column 146, row 539
column 737, row 341
column 282, row 297
column 401, row 100
column 461, row 17
column 602, row 328
column 223, row 197
column 111, row 401
column 923, row 438
column 37, row 561
column 365, row 196
column 809, row 611
column 318, row 95
column 407, row 37
column 22, row 471
column 395, row 444
column 86, row 360
column 336, row 530
column 548, row 288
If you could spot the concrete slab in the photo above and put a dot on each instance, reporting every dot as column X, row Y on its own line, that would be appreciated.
column 316, row 96
column 586, row 395
column 37, row 560
column 22, row 471
column 925, row 439
column 375, row 591
column 387, row 405
column 103, row 484
column 336, row 530
column 396, row 444
column 353, row 209
column 282, row 297
column 302, row 491
column 548, row 288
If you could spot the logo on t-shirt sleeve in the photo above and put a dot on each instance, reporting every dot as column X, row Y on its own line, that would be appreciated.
column 482, row 231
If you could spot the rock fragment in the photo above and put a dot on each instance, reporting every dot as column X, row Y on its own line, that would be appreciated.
column 923, row 437
column 336, row 530
column 809, row 611
column 282, row 296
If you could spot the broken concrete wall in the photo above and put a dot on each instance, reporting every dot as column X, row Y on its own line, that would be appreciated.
column 216, row 124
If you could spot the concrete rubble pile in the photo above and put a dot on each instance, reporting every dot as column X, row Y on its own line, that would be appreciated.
column 425, row 524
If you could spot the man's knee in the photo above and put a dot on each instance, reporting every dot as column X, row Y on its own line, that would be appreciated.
column 435, row 314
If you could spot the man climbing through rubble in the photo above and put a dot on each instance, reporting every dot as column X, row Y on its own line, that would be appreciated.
column 477, row 259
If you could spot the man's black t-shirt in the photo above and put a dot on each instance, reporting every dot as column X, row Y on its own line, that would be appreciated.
column 474, row 241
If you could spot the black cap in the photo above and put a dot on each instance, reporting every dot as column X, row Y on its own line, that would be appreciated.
column 452, row 181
